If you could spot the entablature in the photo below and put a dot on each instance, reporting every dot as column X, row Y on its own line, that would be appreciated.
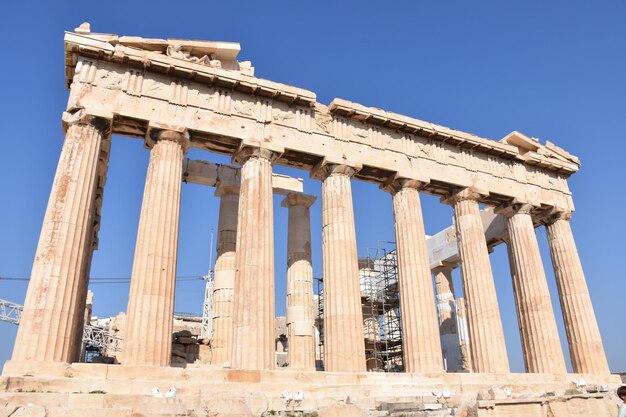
column 222, row 109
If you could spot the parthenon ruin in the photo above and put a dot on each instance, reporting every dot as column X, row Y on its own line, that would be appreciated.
column 175, row 94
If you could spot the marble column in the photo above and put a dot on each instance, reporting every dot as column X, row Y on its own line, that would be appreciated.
column 253, row 303
column 585, row 344
column 103, row 163
column 224, row 274
column 151, row 299
column 420, row 334
column 464, row 342
column 51, row 319
column 446, row 306
column 538, row 330
column 300, row 326
column 488, row 349
column 344, row 344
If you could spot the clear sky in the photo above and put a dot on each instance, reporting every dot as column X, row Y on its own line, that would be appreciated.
column 552, row 70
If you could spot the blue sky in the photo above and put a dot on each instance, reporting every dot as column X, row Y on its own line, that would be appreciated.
column 553, row 70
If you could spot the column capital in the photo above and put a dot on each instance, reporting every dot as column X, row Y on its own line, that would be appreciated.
column 555, row 215
column 463, row 194
column 514, row 208
column 397, row 184
column 298, row 199
column 179, row 136
column 326, row 168
column 80, row 117
column 246, row 152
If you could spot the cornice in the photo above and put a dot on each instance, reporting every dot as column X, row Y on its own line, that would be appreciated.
column 108, row 47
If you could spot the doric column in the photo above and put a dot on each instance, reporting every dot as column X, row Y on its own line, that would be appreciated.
column 253, row 304
column 488, row 349
column 446, row 306
column 585, row 344
column 301, row 354
column 461, row 325
column 344, row 344
column 51, row 322
column 151, row 298
column 420, row 336
column 224, row 274
column 538, row 330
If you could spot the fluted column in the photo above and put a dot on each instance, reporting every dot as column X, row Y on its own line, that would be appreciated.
column 301, row 354
column 421, row 345
column 51, row 319
column 538, row 330
column 585, row 344
column 488, row 349
column 461, row 325
column 446, row 306
column 344, row 344
column 151, row 298
column 253, row 304
column 224, row 274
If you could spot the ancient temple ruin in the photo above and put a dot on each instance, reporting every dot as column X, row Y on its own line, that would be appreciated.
column 176, row 94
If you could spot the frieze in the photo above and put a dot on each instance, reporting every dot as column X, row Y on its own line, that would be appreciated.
column 198, row 106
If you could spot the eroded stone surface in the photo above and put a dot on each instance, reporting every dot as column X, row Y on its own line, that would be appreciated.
column 176, row 94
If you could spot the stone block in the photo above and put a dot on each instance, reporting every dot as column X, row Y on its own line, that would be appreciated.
column 85, row 401
column 108, row 360
column 29, row 411
column 341, row 410
column 243, row 376
column 227, row 408
column 179, row 353
column 6, row 411
column 183, row 333
column 87, row 412
column 176, row 360
column 161, row 406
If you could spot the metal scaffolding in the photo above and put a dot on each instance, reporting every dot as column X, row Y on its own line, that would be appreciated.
column 380, row 301
column 96, row 340
column 319, row 321
column 10, row 312
column 381, row 310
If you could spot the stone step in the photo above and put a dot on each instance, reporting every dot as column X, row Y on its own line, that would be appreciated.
column 100, row 404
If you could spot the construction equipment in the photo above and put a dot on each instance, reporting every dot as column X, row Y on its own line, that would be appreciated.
column 10, row 312
column 94, row 337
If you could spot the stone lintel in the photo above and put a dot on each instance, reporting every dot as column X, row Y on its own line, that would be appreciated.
column 298, row 199
column 284, row 184
column 443, row 247
column 226, row 178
